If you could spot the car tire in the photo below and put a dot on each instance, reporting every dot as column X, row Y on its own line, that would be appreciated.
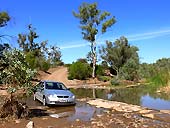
column 44, row 101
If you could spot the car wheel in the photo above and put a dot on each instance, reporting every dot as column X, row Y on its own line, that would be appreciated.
column 44, row 101
column 34, row 97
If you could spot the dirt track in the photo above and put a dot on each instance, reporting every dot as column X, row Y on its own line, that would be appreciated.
column 59, row 74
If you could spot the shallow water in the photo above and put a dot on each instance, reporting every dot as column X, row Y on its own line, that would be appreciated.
column 139, row 95
column 81, row 110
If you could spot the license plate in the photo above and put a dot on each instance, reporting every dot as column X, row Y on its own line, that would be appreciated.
column 63, row 101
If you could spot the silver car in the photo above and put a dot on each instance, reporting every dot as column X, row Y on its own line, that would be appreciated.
column 53, row 93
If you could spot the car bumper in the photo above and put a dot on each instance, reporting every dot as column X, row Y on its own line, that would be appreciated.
column 54, row 101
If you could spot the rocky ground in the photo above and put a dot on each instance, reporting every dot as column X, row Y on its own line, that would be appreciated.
column 121, row 120
column 117, row 115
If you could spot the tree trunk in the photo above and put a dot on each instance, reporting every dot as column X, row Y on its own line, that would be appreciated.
column 117, row 75
column 94, row 67
column 11, row 96
column 94, row 57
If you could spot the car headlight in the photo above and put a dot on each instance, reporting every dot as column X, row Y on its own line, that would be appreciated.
column 73, row 96
column 49, row 96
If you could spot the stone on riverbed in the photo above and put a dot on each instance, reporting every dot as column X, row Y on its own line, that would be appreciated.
column 118, row 106
column 30, row 124
column 162, row 115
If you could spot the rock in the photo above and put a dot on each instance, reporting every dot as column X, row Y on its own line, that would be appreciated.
column 17, row 121
column 77, row 120
column 92, row 119
column 99, row 116
column 145, row 111
column 145, row 126
column 30, row 124
column 148, row 116
column 165, row 111
column 118, row 106
column 50, row 127
column 127, row 115
column 44, row 118
column 93, row 122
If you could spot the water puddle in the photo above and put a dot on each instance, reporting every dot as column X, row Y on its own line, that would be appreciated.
column 81, row 111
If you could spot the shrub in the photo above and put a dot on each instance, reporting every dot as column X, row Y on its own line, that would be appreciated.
column 103, row 78
column 45, row 65
column 161, row 78
column 115, row 82
column 99, row 70
column 79, row 70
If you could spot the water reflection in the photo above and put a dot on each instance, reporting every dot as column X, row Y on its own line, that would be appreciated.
column 155, row 103
column 140, row 95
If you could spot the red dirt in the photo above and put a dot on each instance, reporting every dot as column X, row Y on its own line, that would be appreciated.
column 61, row 74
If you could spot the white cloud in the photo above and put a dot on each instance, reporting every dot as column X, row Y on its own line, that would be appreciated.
column 148, row 35
column 74, row 46
column 133, row 37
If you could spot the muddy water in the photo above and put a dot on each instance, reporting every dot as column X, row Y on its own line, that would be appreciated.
column 80, row 111
column 55, row 116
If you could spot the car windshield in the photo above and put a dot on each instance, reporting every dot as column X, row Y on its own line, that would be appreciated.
column 55, row 86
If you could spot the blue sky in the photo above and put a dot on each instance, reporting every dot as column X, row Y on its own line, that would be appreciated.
column 146, row 24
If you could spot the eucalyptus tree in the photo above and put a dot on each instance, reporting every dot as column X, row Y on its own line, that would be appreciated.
column 92, row 23
column 27, row 41
column 54, row 55
column 37, row 53
column 118, row 53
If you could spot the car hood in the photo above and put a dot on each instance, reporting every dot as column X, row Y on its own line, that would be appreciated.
column 59, row 92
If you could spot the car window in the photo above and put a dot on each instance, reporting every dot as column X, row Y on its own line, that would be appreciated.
column 55, row 86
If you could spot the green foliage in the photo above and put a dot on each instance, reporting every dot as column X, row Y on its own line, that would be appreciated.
column 100, row 70
column 115, row 82
column 93, row 22
column 157, row 73
column 82, row 60
column 91, row 18
column 54, row 56
column 146, row 71
column 79, row 70
column 120, row 54
column 4, row 18
column 27, row 41
column 161, row 78
column 129, row 71
column 17, row 74
column 38, row 55
column 45, row 65
column 103, row 78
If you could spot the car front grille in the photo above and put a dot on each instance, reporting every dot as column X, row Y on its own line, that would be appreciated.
column 62, row 96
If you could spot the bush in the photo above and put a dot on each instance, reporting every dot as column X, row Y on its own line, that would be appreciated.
column 45, row 65
column 115, row 82
column 103, row 78
column 99, row 70
column 80, row 71
column 161, row 78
